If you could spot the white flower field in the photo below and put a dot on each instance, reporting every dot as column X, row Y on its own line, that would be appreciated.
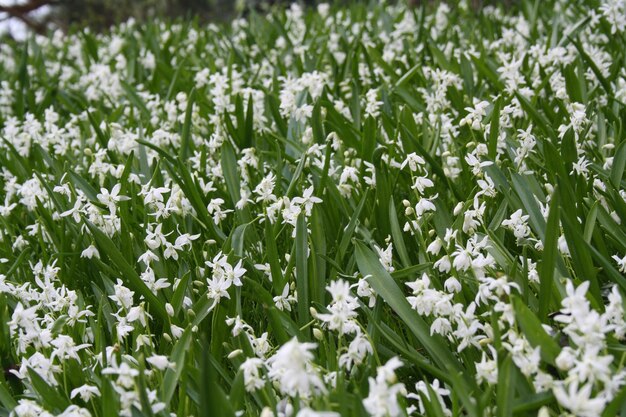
column 367, row 210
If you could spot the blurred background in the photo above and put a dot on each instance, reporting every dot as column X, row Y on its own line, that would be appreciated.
column 19, row 17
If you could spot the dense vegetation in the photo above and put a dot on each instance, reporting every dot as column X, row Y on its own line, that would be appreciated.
column 369, row 210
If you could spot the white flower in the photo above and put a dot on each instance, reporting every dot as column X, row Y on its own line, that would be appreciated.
column 441, row 325
column 372, row 105
column 487, row 370
column 291, row 368
column 283, row 301
column 177, row 331
column 579, row 401
column 386, row 257
column 358, row 349
column 251, row 374
column 307, row 200
column 90, row 252
column 160, row 362
column 382, row 399
column 110, row 199
column 452, row 285
column 414, row 161
column 566, row 358
column 621, row 263
column 307, row 412
column 342, row 310
column 424, row 205
column 86, row 392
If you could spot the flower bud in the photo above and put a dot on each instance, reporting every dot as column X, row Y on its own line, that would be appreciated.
column 317, row 333
column 235, row 353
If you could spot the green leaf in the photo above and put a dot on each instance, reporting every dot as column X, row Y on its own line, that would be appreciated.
column 591, row 63
column 179, row 293
column 214, row 402
column 408, row 75
column 238, row 239
column 539, row 119
column 146, row 408
column 134, row 98
column 229, row 168
column 411, row 271
column 5, row 397
column 522, row 188
column 348, row 232
column 170, row 381
column 237, row 395
column 185, row 147
column 619, row 163
column 548, row 262
column 534, row 332
column 396, row 233
column 532, row 402
column 613, row 408
column 505, row 388
column 302, row 276
column 52, row 399
column 494, row 130
column 273, row 260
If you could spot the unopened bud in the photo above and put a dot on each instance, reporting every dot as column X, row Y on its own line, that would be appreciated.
column 267, row 412
column 235, row 353
column 317, row 333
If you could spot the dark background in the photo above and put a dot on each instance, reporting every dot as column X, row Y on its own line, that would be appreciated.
column 99, row 15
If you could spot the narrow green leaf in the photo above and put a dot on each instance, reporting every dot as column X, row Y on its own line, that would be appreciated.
column 179, row 292
column 229, row 168
column 532, row 402
column 396, row 234
column 505, row 388
column 52, row 399
column 522, row 188
column 302, row 276
column 348, row 232
column 548, row 262
column 214, row 402
column 613, row 408
column 170, row 381
column 6, row 398
column 185, row 147
column 590, row 222
column 494, row 130
column 534, row 332
column 619, row 163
